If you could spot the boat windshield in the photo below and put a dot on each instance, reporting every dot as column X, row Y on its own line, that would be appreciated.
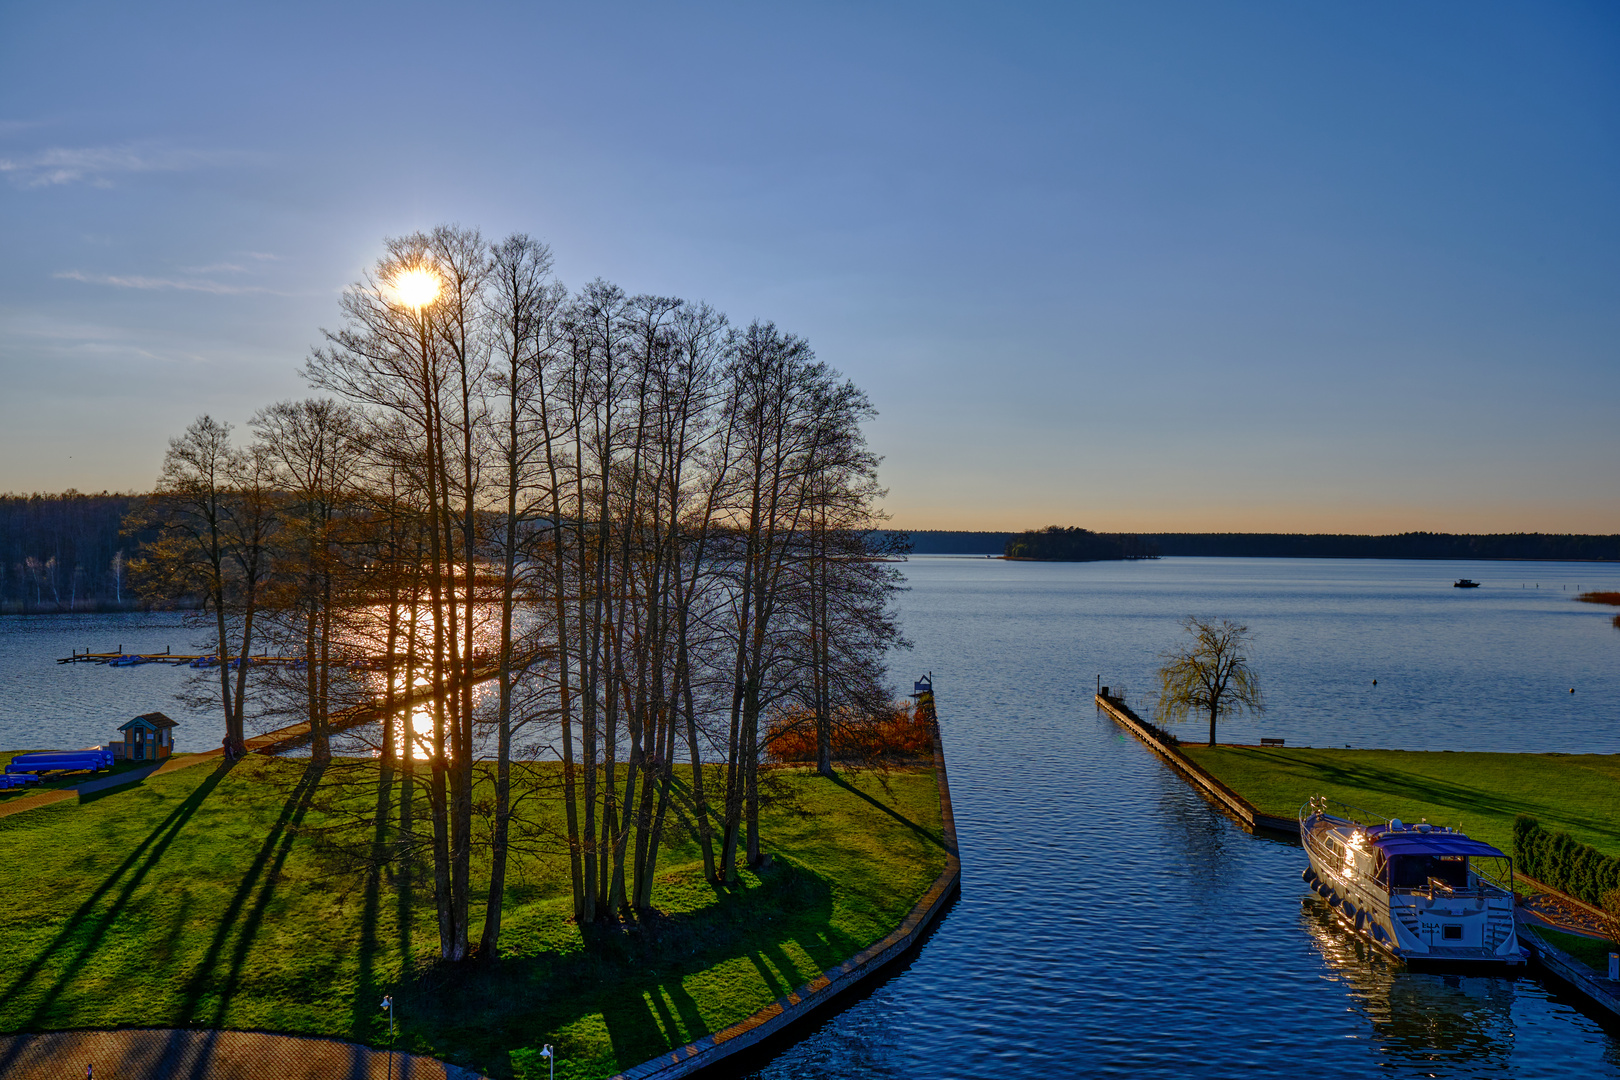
column 1414, row 871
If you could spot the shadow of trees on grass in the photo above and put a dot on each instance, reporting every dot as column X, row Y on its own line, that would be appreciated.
column 1422, row 788
column 631, row 973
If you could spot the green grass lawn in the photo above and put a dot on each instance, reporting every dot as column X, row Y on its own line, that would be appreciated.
column 1482, row 793
column 201, row 898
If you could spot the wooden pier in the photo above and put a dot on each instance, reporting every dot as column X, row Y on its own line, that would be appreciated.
column 353, row 663
column 164, row 657
column 374, row 711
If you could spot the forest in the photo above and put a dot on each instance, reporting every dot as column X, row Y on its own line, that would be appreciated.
column 66, row 552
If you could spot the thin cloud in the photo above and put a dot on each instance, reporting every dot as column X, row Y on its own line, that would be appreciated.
column 137, row 281
column 97, row 165
column 216, row 268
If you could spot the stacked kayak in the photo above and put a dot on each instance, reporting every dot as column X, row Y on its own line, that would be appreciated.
column 60, row 761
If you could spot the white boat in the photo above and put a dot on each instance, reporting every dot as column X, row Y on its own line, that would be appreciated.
column 1425, row 894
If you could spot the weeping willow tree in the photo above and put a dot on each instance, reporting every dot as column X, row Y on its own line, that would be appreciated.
column 1209, row 675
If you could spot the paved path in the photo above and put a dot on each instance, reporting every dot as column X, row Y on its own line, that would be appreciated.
column 176, row 1054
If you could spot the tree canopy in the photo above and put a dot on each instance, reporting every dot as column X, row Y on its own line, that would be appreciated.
column 1209, row 674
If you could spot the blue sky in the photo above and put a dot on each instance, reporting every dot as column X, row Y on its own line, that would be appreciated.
column 1245, row 266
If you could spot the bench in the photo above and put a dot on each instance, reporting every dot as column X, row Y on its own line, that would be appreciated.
column 1271, row 742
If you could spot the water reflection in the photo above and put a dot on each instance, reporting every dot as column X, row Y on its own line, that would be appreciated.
column 1419, row 1017
column 375, row 650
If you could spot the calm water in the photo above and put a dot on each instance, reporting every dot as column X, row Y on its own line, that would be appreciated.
column 45, row 705
column 1111, row 921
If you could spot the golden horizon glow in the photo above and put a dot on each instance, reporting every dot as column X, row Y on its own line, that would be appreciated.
column 417, row 287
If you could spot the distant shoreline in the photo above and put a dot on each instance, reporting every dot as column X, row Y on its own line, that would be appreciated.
column 94, row 606
column 1483, row 547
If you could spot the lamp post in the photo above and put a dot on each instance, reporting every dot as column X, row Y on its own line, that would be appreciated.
column 551, row 1060
column 388, row 1004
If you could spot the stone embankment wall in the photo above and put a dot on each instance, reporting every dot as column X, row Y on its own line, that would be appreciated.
column 1604, row 993
column 823, row 990
column 1165, row 747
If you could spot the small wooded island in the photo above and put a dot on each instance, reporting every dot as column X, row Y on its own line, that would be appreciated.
column 1058, row 544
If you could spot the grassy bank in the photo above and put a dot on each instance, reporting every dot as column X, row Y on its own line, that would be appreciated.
column 202, row 898
column 1578, row 793
column 1592, row 952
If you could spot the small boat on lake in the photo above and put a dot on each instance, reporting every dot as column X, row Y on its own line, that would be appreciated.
column 1421, row 893
column 1465, row 583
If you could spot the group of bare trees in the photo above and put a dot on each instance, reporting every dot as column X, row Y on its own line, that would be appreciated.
column 610, row 532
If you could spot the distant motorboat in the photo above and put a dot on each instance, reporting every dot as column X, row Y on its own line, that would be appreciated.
column 1465, row 583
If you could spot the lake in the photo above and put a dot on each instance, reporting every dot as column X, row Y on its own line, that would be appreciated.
column 1111, row 921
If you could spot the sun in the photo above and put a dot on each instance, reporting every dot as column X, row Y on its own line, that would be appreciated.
column 417, row 287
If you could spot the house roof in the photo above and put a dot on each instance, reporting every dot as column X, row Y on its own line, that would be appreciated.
column 152, row 720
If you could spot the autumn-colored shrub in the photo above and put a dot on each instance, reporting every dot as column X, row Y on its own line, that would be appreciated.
column 898, row 732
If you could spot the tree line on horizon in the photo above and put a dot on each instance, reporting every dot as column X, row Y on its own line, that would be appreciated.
column 66, row 552
column 69, row 551
column 653, row 530
column 1552, row 547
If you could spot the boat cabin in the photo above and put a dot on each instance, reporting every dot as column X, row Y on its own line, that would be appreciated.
column 146, row 738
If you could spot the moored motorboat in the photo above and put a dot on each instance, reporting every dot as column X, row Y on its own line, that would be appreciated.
column 1421, row 892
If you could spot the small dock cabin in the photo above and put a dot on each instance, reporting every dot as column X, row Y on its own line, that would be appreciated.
column 146, row 738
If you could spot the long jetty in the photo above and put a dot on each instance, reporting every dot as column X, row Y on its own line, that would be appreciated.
column 273, row 742
column 1164, row 744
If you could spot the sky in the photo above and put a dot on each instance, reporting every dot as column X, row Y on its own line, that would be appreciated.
column 1131, row 266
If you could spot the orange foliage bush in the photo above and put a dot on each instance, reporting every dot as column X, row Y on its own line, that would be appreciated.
column 899, row 732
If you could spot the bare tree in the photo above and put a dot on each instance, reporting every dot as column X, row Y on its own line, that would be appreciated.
column 313, row 446
column 1209, row 675
column 214, row 510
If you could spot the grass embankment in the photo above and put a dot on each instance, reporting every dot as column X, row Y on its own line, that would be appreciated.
column 1593, row 952
column 1482, row 793
column 201, row 898
column 56, row 780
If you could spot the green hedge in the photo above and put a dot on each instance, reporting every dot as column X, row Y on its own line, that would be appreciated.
column 1559, row 860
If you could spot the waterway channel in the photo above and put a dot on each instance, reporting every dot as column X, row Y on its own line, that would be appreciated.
column 1113, row 923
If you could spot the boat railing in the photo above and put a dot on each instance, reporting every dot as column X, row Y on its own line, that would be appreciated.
column 1321, row 804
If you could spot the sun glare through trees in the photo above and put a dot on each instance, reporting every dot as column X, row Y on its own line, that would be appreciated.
column 609, row 530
